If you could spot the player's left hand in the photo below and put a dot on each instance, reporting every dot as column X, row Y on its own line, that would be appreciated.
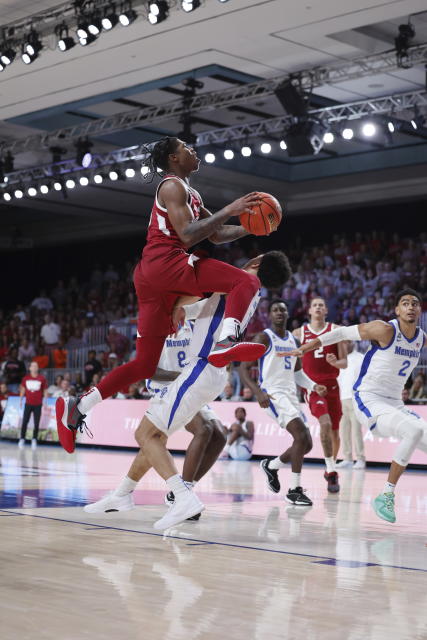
column 320, row 389
column 331, row 358
column 178, row 318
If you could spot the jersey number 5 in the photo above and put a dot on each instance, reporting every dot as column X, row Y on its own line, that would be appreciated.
column 405, row 365
column 287, row 363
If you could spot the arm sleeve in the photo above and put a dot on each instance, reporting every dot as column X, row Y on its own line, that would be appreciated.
column 303, row 380
column 339, row 334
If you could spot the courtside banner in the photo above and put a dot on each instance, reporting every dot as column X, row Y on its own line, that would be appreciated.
column 12, row 420
column 113, row 423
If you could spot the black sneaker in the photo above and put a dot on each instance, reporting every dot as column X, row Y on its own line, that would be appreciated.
column 332, row 480
column 196, row 517
column 170, row 501
column 297, row 496
column 272, row 476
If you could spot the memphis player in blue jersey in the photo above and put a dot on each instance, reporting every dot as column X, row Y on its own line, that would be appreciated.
column 377, row 393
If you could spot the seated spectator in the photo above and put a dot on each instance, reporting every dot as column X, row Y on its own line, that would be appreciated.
column 96, row 379
column 78, row 383
column 240, row 437
column 76, row 341
column 4, row 349
column 405, row 397
column 26, row 351
column 64, row 390
column 41, row 357
column 42, row 303
column 113, row 361
column 59, row 355
column 13, row 371
column 56, row 387
column 228, row 394
column 133, row 393
column 247, row 395
column 117, row 342
column 92, row 366
column 50, row 332
column 417, row 389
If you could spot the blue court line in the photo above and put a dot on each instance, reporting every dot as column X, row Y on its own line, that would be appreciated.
column 221, row 544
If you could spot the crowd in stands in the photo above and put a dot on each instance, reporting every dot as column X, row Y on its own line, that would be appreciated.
column 357, row 276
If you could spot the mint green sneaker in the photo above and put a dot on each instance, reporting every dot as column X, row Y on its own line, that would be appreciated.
column 384, row 506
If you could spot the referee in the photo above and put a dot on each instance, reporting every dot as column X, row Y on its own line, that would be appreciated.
column 34, row 388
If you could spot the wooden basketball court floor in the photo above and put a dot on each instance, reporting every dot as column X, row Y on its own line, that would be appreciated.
column 253, row 567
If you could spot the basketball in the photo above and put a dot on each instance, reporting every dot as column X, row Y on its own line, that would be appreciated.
column 265, row 218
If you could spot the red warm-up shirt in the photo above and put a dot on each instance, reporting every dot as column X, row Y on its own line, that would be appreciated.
column 34, row 388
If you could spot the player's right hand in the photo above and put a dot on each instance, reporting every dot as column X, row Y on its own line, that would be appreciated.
column 263, row 399
column 243, row 204
column 178, row 318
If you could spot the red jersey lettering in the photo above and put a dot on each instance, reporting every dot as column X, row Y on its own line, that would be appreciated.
column 314, row 363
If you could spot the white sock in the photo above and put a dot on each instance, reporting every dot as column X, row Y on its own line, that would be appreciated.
column 330, row 464
column 89, row 400
column 389, row 487
column 230, row 327
column 177, row 485
column 126, row 486
column 276, row 463
column 295, row 480
column 190, row 485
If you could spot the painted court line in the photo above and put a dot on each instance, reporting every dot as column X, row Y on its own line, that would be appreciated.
column 221, row 544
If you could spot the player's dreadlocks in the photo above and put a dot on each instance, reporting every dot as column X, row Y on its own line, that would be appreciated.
column 159, row 156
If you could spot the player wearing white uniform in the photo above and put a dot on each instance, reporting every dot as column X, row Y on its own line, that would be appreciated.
column 395, row 352
column 277, row 393
column 208, row 433
column 198, row 384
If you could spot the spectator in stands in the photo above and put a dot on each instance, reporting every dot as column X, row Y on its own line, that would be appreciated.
column 76, row 341
column 3, row 348
column 4, row 394
column 41, row 357
column 64, row 390
column 56, row 387
column 228, row 394
column 117, row 342
column 405, row 397
column 59, row 355
column 13, row 371
column 96, row 378
column 240, row 437
column 247, row 395
column 42, row 303
column 133, row 393
column 78, row 383
column 26, row 351
column 417, row 390
column 34, row 388
column 113, row 361
column 50, row 332
column 92, row 366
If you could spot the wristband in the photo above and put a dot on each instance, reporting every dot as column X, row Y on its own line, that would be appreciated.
column 339, row 334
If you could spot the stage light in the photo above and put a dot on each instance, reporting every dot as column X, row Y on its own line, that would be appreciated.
column 87, row 40
column 158, row 11
column 145, row 170
column 84, row 181
column 130, row 172
column 84, row 156
column 27, row 58
column 57, row 185
column 97, row 178
column 228, row 154
column 7, row 196
column 110, row 18
column 190, row 5
column 347, row 133
column 390, row 126
column 265, row 147
column 32, row 45
column 2, row 66
column 18, row 194
column 95, row 26
column 82, row 30
column 328, row 137
column 7, row 56
column 31, row 191
column 70, row 183
column 246, row 151
column 283, row 145
column 210, row 158
column 66, row 43
column 44, row 189
column 369, row 129
column 127, row 16
column 113, row 175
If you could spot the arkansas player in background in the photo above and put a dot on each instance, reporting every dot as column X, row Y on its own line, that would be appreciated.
column 323, row 366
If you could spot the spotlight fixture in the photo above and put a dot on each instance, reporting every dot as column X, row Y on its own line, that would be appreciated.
column 347, row 133
column 265, row 147
column 190, row 5
column 210, row 158
column 402, row 43
column 65, row 41
column 158, row 11
column 98, row 178
column 145, row 170
column 84, row 181
column 127, row 14
column 369, row 129
column 95, row 25
column 18, row 193
column 84, row 156
column 130, row 172
column 390, row 126
column 7, row 196
column 110, row 18
column 113, row 175
column 328, row 137
column 2, row 66
column 7, row 56
column 57, row 185
column 44, row 189
column 27, row 58
column 246, row 151
column 32, row 191
column 87, row 40
column 70, row 183
column 228, row 154
column 82, row 30
column 283, row 145
column 32, row 45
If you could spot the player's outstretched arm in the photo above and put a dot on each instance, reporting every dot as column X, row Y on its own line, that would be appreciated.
column 377, row 331
column 245, row 367
column 190, row 232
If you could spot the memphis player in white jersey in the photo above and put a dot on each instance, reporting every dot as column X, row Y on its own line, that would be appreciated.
column 199, row 383
column 277, row 393
column 174, row 357
column 395, row 352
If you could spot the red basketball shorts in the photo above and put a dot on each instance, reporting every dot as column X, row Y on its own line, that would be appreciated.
column 329, row 404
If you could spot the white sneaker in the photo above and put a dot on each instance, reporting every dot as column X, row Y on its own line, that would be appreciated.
column 186, row 506
column 359, row 464
column 21, row 443
column 344, row 464
column 111, row 502
column 33, row 444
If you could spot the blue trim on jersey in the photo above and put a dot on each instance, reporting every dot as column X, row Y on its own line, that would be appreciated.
column 361, row 406
column 215, row 322
column 271, row 405
column 392, row 340
column 195, row 373
column 261, row 360
column 407, row 339
column 365, row 365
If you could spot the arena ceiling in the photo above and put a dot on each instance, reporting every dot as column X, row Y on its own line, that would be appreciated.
column 221, row 45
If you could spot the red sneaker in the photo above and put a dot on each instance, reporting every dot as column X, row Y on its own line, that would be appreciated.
column 232, row 350
column 332, row 480
column 68, row 420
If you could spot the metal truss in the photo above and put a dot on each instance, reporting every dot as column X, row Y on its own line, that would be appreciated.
column 214, row 100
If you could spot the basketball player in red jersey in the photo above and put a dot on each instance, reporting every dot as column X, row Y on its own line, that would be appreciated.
column 178, row 221
column 323, row 366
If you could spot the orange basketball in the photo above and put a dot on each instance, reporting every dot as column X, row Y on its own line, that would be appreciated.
column 265, row 218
